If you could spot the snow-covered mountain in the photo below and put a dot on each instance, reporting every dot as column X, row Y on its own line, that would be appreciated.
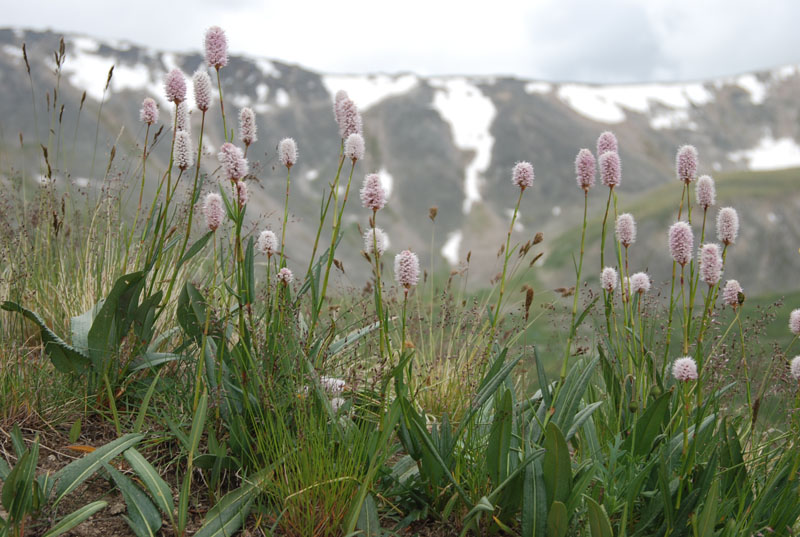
column 444, row 141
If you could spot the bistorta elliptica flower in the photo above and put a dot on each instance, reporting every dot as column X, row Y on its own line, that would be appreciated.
column 727, row 225
column 710, row 263
column 585, row 169
column 284, row 276
column 354, row 147
column 681, row 242
column 247, row 126
column 794, row 322
column 216, row 47
column 406, row 268
column 212, row 208
column 730, row 294
column 375, row 239
column 686, row 163
column 241, row 193
column 606, row 142
column 267, row 243
column 373, row 196
column 705, row 193
column 202, row 89
column 175, row 86
column 522, row 175
column 640, row 283
column 233, row 162
column 182, row 122
column 184, row 155
column 348, row 117
column 794, row 368
column 610, row 169
column 149, row 112
column 626, row 229
column 609, row 279
column 287, row 152
column 684, row 369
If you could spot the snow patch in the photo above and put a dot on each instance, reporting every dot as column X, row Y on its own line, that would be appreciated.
column 556, row 210
column 470, row 115
column 88, row 72
column 753, row 86
column 130, row 77
column 782, row 73
column 542, row 88
column 13, row 51
column 770, row 154
column 451, row 247
column 672, row 119
column 387, row 181
column 282, row 98
column 607, row 104
column 772, row 218
column 367, row 91
column 267, row 68
column 517, row 224
column 312, row 175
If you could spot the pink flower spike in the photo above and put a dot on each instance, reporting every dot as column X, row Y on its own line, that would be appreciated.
column 212, row 208
column 585, row 169
column 175, row 86
column 794, row 322
column 373, row 196
column 710, row 263
column 287, row 152
column 684, row 369
column 284, row 276
column 609, row 279
column 626, row 229
column 406, row 268
column 606, row 142
column 375, row 239
column 730, row 294
column 267, row 243
column 241, row 193
column 686, row 163
column 794, row 368
column 182, row 122
column 727, row 225
column 216, row 47
column 354, row 147
column 233, row 162
column 184, row 153
column 247, row 126
column 640, row 283
column 202, row 89
column 681, row 242
column 610, row 169
column 705, row 192
column 349, row 118
column 149, row 112
column 522, row 175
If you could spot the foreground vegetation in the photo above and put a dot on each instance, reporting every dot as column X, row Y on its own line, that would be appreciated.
column 239, row 384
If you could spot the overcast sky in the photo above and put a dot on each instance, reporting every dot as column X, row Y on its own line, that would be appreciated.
column 558, row 40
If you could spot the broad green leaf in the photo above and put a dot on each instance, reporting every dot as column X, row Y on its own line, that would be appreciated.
column 143, row 517
column 75, row 518
column 649, row 424
column 65, row 358
column 137, row 426
column 708, row 516
column 195, row 248
column 557, row 520
column 534, row 502
column 158, row 488
column 557, row 466
column 599, row 524
column 497, row 454
column 227, row 516
column 368, row 522
column 76, row 472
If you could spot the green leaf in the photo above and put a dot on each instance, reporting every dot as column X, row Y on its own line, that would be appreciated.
column 75, row 431
column 557, row 466
column 65, row 358
column 137, row 426
column 195, row 248
column 143, row 517
column 227, row 516
column 534, row 502
column 80, row 326
column 497, row 451
column 341, row 344
column 557, row 520
column 76, row 472
column 368, row 523
column 649, row 424
column 75, row 518
column 599, row 524
column 158, row 488
column 708, row 517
